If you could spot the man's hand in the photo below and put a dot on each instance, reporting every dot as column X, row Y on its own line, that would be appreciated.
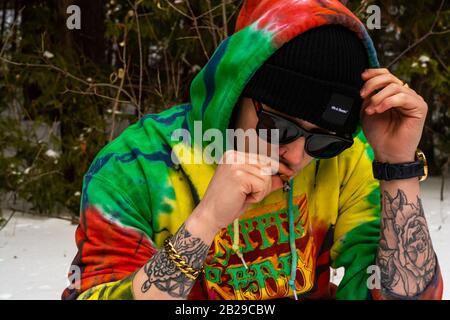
column 239, row 180
column 392, row 119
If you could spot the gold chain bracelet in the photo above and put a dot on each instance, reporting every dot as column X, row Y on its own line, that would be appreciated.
column 181, row 264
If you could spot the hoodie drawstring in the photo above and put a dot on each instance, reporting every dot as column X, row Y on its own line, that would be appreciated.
column 292, row 246
column 294, row 259
column 235, row 246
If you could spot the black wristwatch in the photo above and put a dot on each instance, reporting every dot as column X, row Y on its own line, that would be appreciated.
column 391, row 171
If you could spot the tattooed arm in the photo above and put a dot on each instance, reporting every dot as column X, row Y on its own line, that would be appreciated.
column 243, row 182
column 160, row 278
column 406, row 257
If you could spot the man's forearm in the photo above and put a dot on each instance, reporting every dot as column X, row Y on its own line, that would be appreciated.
column 160, row 278
column 405, row 256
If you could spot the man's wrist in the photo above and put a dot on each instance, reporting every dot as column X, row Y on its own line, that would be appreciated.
column 394, row 159
column 200, row 225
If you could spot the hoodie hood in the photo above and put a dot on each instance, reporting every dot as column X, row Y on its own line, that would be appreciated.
column 261, row 28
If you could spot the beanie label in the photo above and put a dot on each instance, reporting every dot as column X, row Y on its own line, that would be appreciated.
column 338, row 109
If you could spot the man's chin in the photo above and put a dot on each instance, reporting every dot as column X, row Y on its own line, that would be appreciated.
column 297, row 169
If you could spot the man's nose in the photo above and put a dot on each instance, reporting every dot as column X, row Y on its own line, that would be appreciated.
column 293, row 152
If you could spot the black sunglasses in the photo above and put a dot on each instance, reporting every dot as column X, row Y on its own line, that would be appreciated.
column 318, row 144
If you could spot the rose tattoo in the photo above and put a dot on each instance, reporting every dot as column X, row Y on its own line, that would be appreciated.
column 405, row 256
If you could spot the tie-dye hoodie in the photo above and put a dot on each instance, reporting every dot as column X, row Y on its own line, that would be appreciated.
column 134, row 196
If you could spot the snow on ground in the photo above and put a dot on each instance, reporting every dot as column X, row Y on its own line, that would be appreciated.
column 36, row 253
column 35, row 256
column 438, row 217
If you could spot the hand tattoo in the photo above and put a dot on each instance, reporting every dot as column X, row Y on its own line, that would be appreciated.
column 405, row 256
column 165, row 275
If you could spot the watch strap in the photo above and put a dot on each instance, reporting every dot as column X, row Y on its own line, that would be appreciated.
column 389, row 171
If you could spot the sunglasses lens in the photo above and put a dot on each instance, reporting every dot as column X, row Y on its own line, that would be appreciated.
column 318, row 145
column 321, row 146
column 286, row 131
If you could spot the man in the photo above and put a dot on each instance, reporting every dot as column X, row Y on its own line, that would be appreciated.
column 309, row 70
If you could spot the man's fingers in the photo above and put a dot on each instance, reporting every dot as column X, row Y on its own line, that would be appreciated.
column 369, row 73
column 388, row 91
column 266, row 178
column 378, row 82
column 256, row 188
column 273, row 181
column 261, row 166
column 268, row 165
column 403, row 103
column 238, row 157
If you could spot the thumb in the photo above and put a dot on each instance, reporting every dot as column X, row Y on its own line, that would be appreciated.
column 277, row 183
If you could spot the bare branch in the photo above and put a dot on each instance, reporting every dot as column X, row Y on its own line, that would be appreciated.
column 179, row 11
column 70, row 75
column 426, row 35
column 224, row 19
column 122, row 80
column 211, row 21
column 96, row 94
column 11, row 32
column 3, row 224
column 141, row 64
column 194, row 20
column 439, row 59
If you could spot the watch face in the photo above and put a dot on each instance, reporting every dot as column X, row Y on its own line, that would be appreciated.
column 421, row 157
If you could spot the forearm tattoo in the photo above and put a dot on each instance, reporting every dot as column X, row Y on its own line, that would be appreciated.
column 165, row 275
column 405, row 256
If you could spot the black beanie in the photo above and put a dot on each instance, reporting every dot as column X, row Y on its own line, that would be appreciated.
column 316, row 76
